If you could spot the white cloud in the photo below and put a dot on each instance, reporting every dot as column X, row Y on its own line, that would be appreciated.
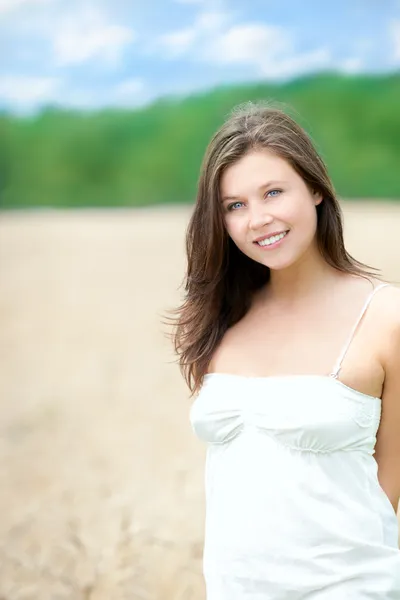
column 295, row 64
column 26, row 94
column 74, row 33
column 351, row 65
column 249, row 44
column 24, row 91
column 8, row 6
column 129, row 92
column 212, row 21
column 268, row 50
column 177, row 43
column 394, row 29
column 87, row 36
column 189, row 1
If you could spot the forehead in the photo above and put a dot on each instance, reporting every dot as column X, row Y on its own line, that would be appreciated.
column 253, row 170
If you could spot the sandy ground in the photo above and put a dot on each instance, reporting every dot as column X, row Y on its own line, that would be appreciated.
column 101, row 476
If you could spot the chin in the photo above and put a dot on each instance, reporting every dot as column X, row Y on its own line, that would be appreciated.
column 276, row 265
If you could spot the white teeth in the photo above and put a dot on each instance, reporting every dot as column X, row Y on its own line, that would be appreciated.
column 272, row 239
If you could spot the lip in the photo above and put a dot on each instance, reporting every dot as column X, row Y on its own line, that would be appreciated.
column 270, row 247
column 264, row 237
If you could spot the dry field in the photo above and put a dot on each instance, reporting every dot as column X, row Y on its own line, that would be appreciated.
column 101, row 476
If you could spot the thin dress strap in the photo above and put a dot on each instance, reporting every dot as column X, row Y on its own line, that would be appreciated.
column 338, row 365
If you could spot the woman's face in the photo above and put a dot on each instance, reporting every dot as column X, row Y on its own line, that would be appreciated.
column 263, row 196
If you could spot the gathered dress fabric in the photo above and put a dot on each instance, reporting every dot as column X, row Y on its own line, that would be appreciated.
column 294, row 508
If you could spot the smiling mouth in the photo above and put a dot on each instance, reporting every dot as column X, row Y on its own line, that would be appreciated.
column 272, row 240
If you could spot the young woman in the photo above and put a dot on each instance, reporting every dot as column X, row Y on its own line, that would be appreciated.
column 292, row 348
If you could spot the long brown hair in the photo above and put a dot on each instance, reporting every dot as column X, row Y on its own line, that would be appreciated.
column 220, row 280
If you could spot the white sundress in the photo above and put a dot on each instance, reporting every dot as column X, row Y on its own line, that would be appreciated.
column 294, row 508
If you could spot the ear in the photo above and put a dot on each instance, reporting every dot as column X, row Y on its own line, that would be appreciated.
column 318, row 197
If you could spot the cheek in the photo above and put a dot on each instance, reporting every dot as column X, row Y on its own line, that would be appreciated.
column 235, row 228
column 293, row 212
column 302, row 214
column 306, row 226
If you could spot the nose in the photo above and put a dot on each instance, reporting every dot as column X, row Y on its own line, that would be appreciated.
column 258, row 217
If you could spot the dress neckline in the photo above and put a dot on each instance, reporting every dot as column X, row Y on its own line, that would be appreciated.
column 333, row 376
column 292, row 376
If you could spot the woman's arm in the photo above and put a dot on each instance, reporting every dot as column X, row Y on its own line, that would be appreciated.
column 387, row 450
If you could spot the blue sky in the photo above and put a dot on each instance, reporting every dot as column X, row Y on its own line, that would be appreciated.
column 91, row 54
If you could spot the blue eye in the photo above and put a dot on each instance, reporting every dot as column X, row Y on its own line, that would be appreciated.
column 230, row 206
column 272, row 192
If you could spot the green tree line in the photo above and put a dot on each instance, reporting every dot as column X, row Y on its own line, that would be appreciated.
column 152, row 155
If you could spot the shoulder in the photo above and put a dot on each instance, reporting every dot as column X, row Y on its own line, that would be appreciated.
column 387, row 310
column 384, row 307
column 387, row 301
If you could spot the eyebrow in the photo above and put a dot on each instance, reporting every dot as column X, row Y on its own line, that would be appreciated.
column 264, row 185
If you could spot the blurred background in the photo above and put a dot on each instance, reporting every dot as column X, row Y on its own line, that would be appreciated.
column 106, row 109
